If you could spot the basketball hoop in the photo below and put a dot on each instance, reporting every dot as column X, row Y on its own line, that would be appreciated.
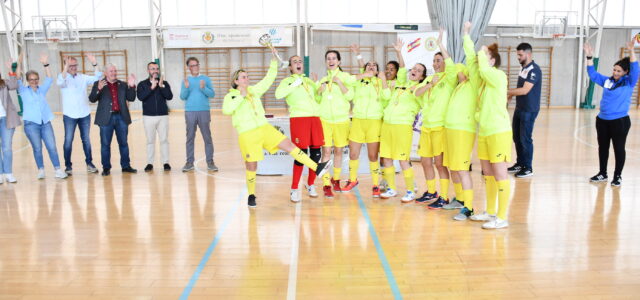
column 52, row 44
column 558, row 39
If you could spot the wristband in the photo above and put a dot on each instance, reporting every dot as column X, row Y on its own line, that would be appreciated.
column 589, row 57
column 45, row 65
column 12, row 74
column 359, row 56
column 94, row 65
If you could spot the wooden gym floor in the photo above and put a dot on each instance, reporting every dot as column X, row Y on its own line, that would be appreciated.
column 171, row 235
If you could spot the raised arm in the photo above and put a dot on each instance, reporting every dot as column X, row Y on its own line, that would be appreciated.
column 596, row 77
column 398, row 47
column 443, row 49
column 261, row 87
column 355, row 49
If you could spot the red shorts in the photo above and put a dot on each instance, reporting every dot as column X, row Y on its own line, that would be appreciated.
column 306, row 132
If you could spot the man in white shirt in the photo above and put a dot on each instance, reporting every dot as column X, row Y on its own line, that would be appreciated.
column 75, row 108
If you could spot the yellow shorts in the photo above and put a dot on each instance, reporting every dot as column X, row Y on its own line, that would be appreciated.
column 335, row 134
column 253, row 141
column 365, row 131
column 496, row 147
column 395, row 141
column 458, row 149
column 432, row 142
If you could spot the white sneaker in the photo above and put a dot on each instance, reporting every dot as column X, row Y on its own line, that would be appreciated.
column 312, row 191
column 389, row 193
column 496, row 223
column 484, row 217
column 296, row 195
column 408, row 197
column 61, row 173
column 10, row 178
column 1, row 179
column 40, row 174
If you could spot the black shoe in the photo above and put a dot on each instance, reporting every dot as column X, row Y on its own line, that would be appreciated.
column 617, row 180
column 515, row 168
column 106, row 172
column 323, row 167
column 68, row 170
column 599, row 178
column 524, row 172
column 167, row 167
column 148, row 168
column 251, row 201
column 129, row 169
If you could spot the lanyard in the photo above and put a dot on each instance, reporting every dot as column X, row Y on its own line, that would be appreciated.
column 252, row 102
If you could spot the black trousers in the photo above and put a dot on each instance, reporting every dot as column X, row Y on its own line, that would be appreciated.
column 615, row 131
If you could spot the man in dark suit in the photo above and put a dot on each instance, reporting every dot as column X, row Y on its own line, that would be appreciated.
column 113, row 115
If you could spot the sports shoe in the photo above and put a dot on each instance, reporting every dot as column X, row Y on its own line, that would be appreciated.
column 188, row 167
column 496, row 223
column 10, row 178
column 454, row 204
column 426, row 197
column 251, row 201
column 438, row 204
column 323, row 167
column 350, row 185
column 463, row 215
column 375, row 191
column 617, row 180
column 211, row 166
column 106, row 172
column 296, row 195
column 389, row 193
column 40, row 174
column 599, row 178
column 484, row 217
column 312, row 191
column 408, row 197
column 328, row 192
column 167, row 167
column 148, row 168
column 68, row 170
column 336, row 185
column 524, row 172
column 1, row 179
column 514, row 169
column 92, row 169
column 129, row 169
column 61, row 174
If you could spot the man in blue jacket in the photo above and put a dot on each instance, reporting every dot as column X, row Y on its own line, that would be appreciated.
column 154, row 92
column 195, row 91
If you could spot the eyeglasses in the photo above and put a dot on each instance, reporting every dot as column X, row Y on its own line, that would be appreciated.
column 33, row 79
column 196, row 65
column 73, row 66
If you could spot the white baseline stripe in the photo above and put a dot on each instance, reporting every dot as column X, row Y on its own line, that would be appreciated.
column 293, row 265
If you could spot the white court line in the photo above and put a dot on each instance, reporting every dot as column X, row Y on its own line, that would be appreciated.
column 293, row 265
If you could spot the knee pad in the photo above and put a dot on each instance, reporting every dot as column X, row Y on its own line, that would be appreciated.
column 299, row 163
column 316, row 154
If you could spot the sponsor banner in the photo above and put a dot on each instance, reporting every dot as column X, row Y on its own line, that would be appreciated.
column 635, row 33
column 222, row 37
column 420, row 47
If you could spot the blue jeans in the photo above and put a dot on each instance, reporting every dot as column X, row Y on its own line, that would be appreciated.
column 522, row 136
column 6, row 153
column 37, row 133
column 69, row 133
column 106, row 135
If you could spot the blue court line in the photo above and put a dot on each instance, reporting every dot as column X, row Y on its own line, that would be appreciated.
column 227, row 219
column 381, row 256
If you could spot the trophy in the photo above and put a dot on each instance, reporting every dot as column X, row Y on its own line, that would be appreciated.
column 265, row 40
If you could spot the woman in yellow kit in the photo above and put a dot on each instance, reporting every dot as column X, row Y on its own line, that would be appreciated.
column 460, row 125
column 397, row 127
column 370, row 93
column 306, row 128
column 494, row 137
column 254, row 132
column 432, row 139
column 334, row 93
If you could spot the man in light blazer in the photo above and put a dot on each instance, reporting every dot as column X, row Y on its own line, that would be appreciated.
column 113, row 115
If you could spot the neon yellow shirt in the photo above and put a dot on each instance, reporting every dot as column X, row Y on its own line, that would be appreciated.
column 247, row 112
column 403, row 105
column 463, row 102
column 493, row 117
column 436, row 99
column 369, row 97
column 334, row 105
column 302, row 98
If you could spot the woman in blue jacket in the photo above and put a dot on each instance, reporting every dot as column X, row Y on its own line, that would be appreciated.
column 613, row 123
